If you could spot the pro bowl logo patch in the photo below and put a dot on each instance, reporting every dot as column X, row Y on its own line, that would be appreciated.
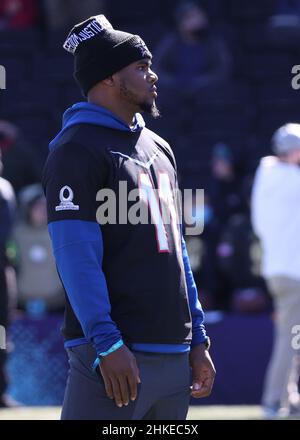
column 66, row 196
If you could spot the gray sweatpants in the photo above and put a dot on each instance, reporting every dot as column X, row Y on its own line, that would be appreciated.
column 163, row 394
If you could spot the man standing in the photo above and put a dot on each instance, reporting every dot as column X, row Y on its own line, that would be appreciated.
column 276, row 221
column 131, row 302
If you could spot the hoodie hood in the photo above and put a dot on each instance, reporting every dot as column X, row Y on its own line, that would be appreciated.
column 86, row 113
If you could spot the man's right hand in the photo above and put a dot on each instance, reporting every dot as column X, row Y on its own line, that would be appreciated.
column 121, row 375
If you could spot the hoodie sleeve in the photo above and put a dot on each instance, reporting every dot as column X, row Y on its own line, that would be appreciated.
column 198, row 329
column 71, row 179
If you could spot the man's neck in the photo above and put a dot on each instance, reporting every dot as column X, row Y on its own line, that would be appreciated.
column 127, row 115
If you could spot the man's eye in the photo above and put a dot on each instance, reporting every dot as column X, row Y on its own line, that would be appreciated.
column 142, row 67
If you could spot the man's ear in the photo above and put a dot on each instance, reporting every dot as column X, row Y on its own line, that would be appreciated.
column 109, row 81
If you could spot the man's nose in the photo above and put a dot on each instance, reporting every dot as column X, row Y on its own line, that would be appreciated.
column 153, row 77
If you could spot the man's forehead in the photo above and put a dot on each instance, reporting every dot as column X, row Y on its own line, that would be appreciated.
column 132, row 66
column 143, row 61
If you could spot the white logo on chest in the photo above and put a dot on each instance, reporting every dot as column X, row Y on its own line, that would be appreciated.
column 146, row 165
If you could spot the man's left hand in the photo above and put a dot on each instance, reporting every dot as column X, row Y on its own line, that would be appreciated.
column 203, row 371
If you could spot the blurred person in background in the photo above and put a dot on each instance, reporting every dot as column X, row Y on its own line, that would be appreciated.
column 192, row 61
column 61, row 14
column 241, row 287
column 21, row 166
column 7, row 214
column 224, row 185
column 276, row 221
column 39, row 287
column 18, row 14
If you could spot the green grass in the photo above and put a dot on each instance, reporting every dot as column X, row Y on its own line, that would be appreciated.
column 224, row 412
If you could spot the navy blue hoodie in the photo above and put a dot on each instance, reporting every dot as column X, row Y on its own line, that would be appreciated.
column 118, row 284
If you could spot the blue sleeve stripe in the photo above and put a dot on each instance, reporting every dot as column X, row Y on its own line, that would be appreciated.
column 198, row 329
column 78, row 251
column 65, row 232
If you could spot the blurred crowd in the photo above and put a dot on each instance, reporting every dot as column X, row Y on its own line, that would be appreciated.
column 218, row 109
column 201, row 98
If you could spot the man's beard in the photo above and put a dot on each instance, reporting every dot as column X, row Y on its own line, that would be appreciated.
column 151, row 109
column 133, row 98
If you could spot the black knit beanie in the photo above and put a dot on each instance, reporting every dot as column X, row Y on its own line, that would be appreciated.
column 100, row 51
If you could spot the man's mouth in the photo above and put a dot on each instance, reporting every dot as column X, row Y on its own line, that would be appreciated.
column 153, row 91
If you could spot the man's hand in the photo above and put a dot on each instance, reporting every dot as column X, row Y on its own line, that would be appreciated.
column 203, row 371
column 121, row 375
